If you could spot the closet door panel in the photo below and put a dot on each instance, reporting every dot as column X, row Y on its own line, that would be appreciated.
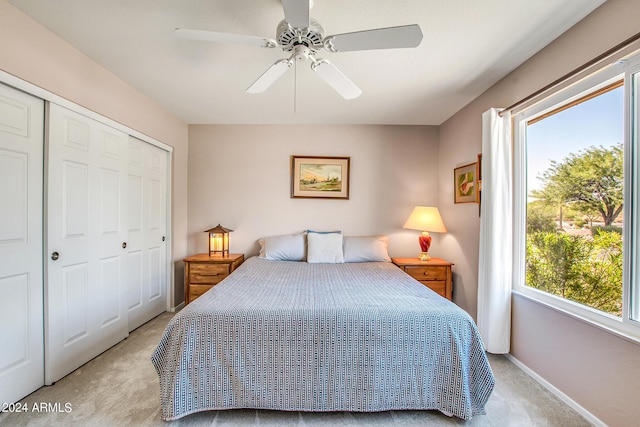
column 86, row 310
column 135, row 254
column 14, row 194
column 110, row 274
column 14, row 319
column 109, row 201
column 156, row 205
column 75, row 200
column 156, row 268
column 157, row 229
column 21, row 290
column 147, row 198
column 74, row 294
column 134, row 279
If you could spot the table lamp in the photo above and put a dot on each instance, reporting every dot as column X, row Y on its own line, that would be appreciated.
column 425, row 219
column 218, row 240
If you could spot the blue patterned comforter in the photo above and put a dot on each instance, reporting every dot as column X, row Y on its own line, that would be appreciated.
column 295, row 336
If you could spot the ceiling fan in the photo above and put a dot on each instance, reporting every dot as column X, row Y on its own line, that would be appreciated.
column 303, row 37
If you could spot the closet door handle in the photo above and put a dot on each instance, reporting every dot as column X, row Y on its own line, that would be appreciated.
column 124, row 245
column 55, row 256
column 163, row 238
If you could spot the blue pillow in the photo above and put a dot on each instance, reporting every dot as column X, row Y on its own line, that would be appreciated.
column 325, row 232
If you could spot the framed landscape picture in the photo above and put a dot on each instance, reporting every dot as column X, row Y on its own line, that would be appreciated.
column 465, row 183
column 320, row 177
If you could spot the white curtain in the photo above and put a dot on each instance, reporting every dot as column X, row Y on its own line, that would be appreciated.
column 496, row 250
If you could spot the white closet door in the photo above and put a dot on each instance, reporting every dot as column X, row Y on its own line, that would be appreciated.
column 85, row 309
column 147, row 237
column 21, row 329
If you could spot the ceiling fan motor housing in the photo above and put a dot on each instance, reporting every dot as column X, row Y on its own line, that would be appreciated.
column 289, row 37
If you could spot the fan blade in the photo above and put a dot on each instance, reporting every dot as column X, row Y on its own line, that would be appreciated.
column 336, row 79
column 212, row 36
column 267, row 78
column 381, row 38
column 296, row 13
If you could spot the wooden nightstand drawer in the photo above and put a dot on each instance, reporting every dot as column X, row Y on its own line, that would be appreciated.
column 196, row 290
column 427, row 273
column 435, row 273
column 202, row 272
column 438, row 286
column 208, row 273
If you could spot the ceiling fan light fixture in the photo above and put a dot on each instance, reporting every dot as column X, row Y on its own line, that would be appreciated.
column 301, row 52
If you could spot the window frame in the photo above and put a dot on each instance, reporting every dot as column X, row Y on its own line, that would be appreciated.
column 627, row 326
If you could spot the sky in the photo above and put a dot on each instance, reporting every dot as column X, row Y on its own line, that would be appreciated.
column 596, row 122
column 320, row 171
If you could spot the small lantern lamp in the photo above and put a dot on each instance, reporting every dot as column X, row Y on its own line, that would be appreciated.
column 218, row 241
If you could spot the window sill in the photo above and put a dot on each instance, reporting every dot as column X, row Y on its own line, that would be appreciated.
column 626, row 335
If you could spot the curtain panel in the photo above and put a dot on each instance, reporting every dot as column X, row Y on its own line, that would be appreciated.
column 496, row 248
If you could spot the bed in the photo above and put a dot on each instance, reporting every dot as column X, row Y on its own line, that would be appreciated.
column 298, row 336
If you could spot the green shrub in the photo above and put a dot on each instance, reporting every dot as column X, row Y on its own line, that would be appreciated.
column 587, row 270
column 609, row 228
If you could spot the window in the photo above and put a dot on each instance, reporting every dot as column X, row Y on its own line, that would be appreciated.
column 576, row 200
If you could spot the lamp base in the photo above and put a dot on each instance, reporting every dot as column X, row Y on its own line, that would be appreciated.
column 424, row 256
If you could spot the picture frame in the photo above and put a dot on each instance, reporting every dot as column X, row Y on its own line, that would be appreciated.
column 465, row 183
column 479, row 178
column 316, row 177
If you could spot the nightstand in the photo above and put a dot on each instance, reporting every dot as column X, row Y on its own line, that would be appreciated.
column 435, row 273
column 202, row 272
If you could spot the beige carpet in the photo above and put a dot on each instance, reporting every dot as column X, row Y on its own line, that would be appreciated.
column 120, row 388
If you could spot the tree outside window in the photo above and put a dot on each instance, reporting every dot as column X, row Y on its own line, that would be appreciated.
column 574, row 230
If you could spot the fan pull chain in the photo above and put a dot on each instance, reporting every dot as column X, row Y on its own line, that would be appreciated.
column 295, row 87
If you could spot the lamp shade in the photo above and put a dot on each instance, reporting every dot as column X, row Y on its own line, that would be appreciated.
column 425, row 218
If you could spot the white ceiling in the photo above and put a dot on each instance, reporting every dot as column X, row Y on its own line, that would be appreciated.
column 468, row 45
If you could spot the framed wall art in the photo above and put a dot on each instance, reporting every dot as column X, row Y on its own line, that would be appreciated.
column 465, row 183
column 479, row 182
column 315, row 177
column 479, row 178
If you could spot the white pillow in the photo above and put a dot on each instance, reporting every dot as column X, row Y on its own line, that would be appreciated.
column 366, row 248
column 324, row 248
column 289, row 247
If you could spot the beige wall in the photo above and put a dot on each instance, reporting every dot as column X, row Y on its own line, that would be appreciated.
column 239, row 177
column 34, row 54
column 598, row 370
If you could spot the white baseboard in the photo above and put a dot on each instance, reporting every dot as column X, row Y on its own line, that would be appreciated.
column 559, row 394
column 177, row 308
